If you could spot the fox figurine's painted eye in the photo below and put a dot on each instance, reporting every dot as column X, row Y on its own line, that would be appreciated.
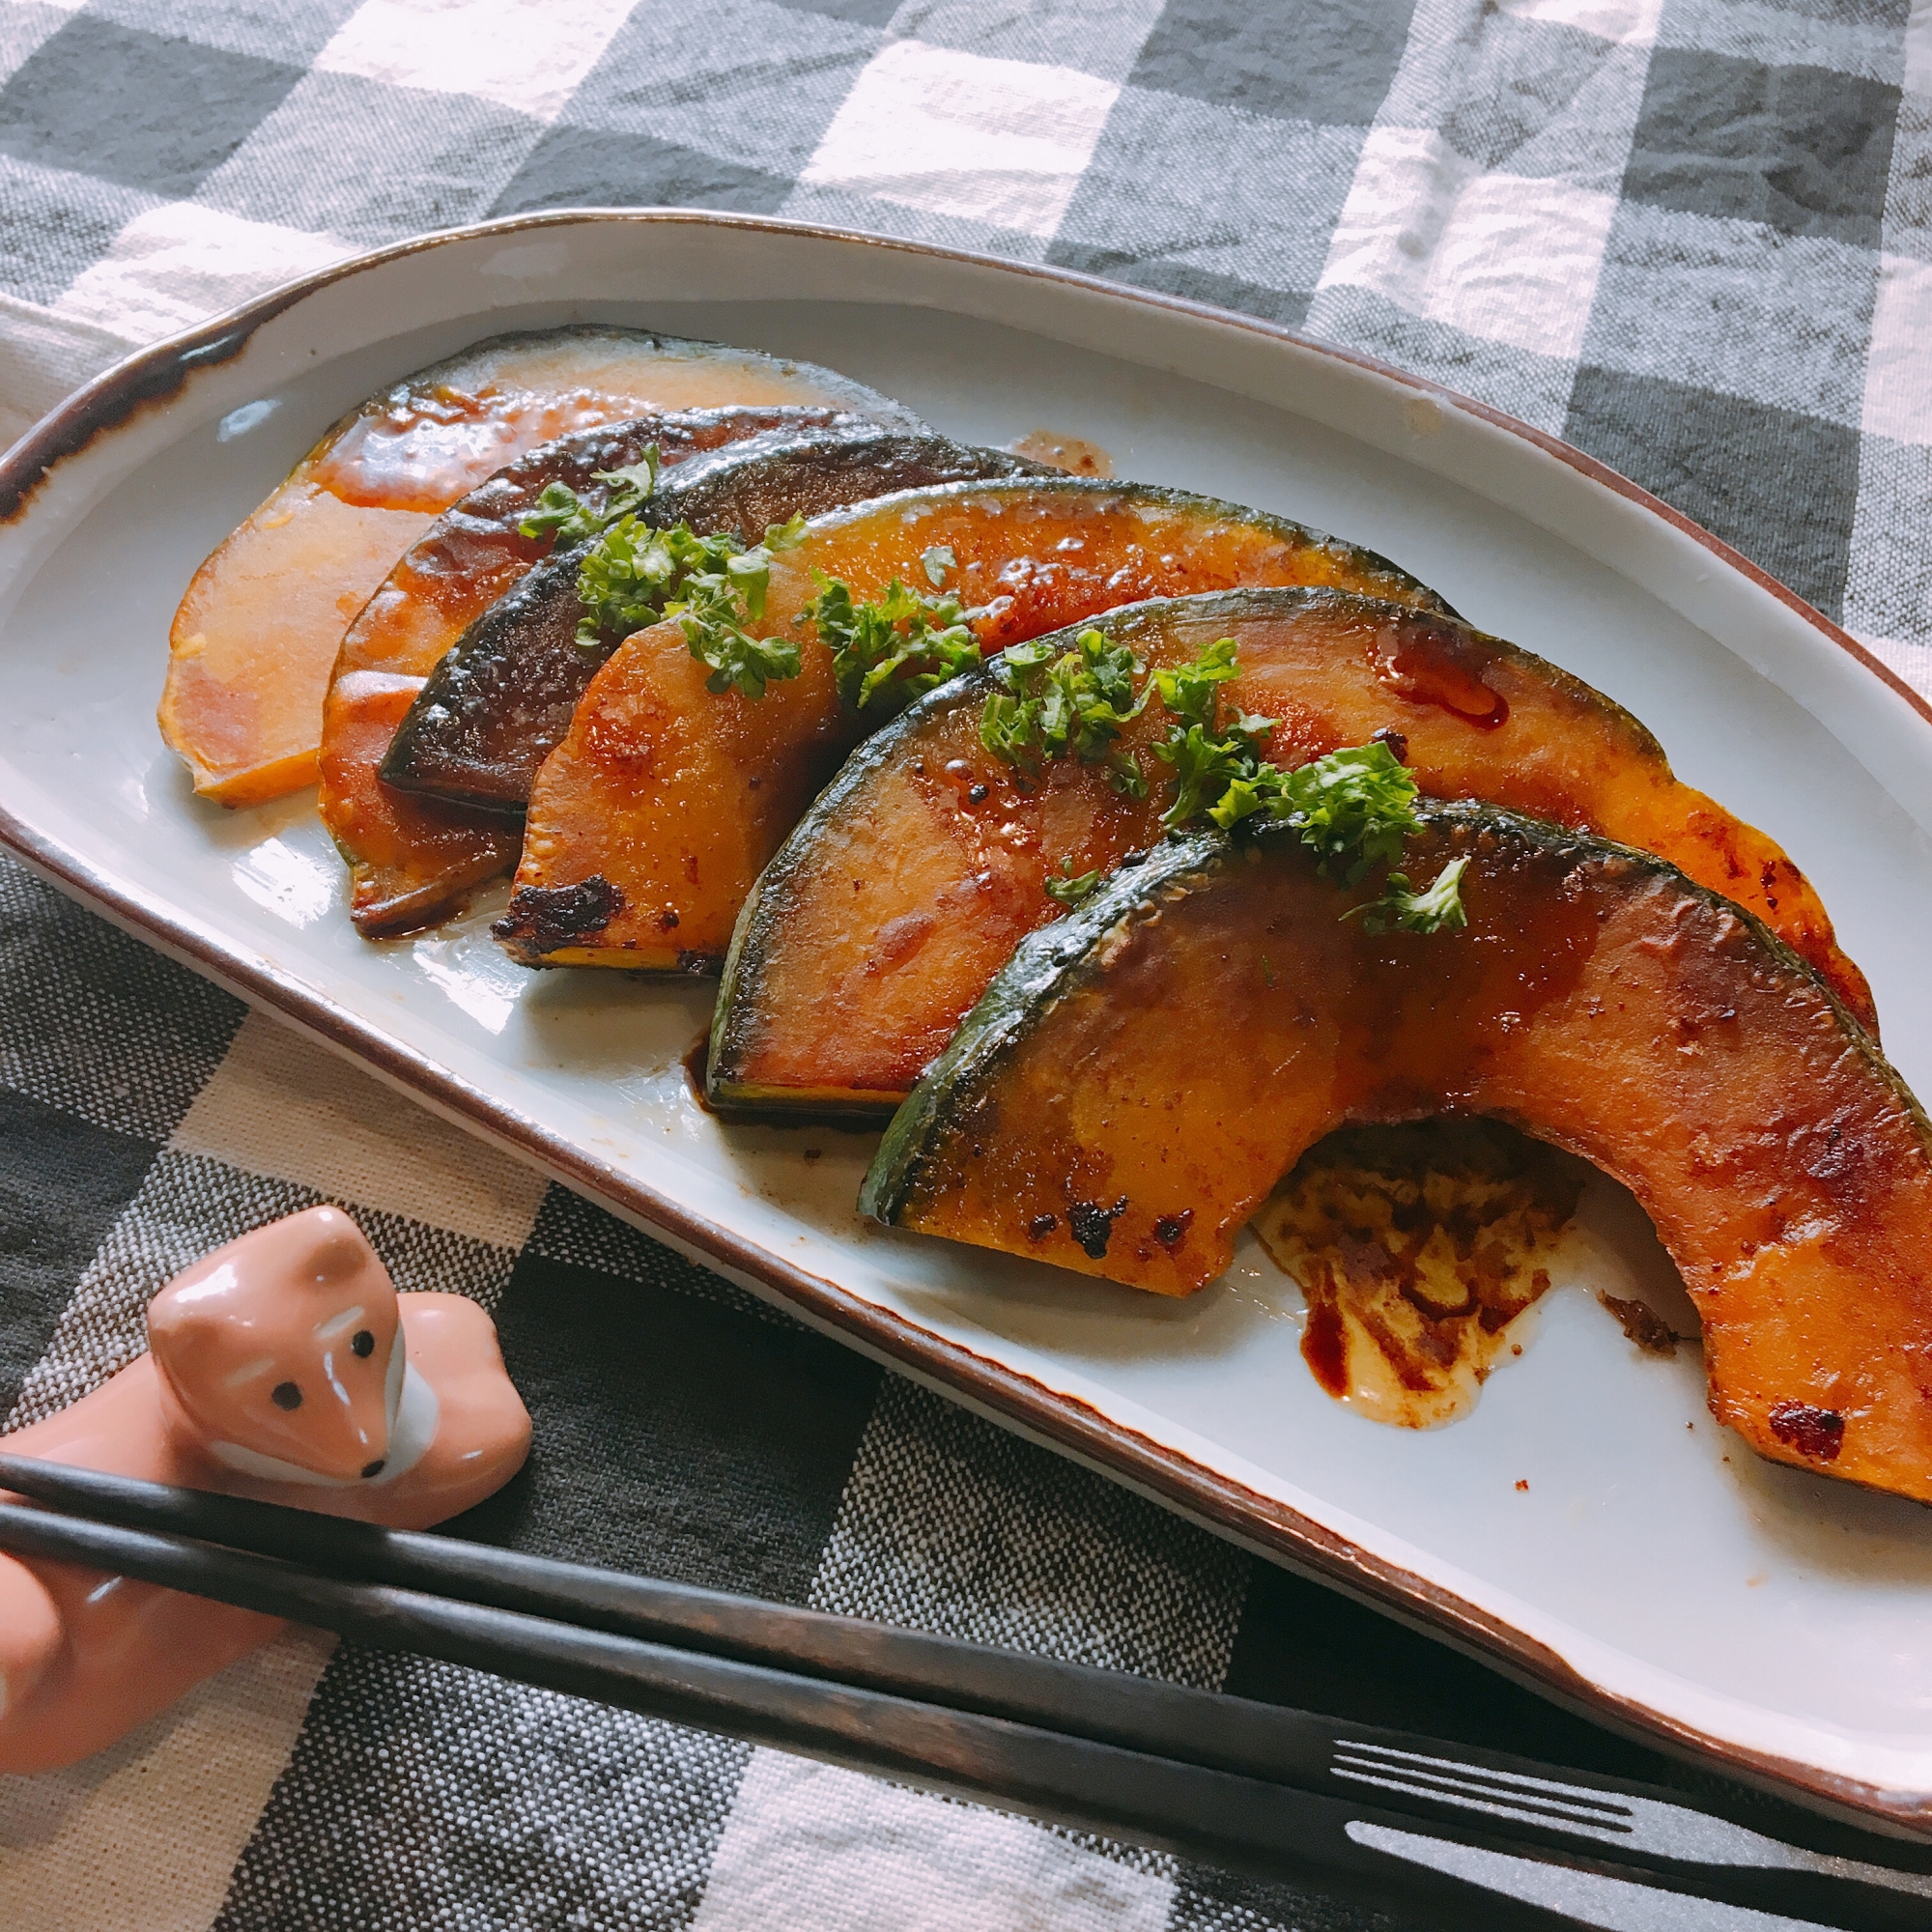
column 281, row 1356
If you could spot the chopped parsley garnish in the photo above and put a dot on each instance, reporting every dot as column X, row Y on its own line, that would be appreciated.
column 632, row 575
column 1216, row 774
column 714, row 606
column 1070, row 888
column 1072, row 705
column 559, row 512
column 1193, row 691
column 1354, row 808
column 890, row 651
column 1435, row 908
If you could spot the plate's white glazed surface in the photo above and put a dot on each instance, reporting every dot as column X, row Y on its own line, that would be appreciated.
column 1775, row 1615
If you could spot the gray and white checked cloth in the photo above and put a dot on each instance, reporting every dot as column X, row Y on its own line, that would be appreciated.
column 1692, row 236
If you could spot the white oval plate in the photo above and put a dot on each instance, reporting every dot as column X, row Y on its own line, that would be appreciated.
column 1654, row 1572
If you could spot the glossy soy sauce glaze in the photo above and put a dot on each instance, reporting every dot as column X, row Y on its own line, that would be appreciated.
column 499, row 700
column 1427, row 665
column 1178, row 1043
column 1071, row 455
column 917, row 872
column 410, row 861
column 257, row 630
column 679, row 795
column 1417, row 1248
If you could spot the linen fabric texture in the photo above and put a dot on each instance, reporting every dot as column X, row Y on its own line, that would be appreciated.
column 1693, row 237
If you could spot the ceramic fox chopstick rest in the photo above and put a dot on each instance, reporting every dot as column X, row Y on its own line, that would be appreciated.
column 286, row 1367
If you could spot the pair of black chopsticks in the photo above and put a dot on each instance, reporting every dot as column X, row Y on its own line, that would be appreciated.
column 1468, row 1839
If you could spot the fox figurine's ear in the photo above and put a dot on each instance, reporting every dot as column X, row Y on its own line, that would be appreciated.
column 283, row 1348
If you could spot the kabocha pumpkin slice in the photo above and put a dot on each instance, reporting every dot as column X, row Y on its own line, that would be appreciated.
column 923, row 863
column 411, row 863
column 502, row 698
column 650, row 822
column 255, row 635
column 1136, row 1079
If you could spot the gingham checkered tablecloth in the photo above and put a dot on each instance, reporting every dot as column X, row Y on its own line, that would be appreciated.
column 1692, row 236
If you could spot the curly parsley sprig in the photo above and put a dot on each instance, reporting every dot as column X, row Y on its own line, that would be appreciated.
column 1071, row 705
column 1435, row 908
column 890, row 650
column 1354, row 809
column 715, row 605
column 632, row 575
column 559, row 512
column 1071, row 888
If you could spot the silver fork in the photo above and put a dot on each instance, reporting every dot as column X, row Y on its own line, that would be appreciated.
column 1638, row 1824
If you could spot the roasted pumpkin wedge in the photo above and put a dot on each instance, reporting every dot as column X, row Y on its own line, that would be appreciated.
column 411, row 863
column 1137, row 1078
column 650, row 822
column 923, row 863
column 502, row 698
column 252, row 643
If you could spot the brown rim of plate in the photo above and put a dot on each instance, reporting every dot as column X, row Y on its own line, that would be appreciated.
column 154, row 376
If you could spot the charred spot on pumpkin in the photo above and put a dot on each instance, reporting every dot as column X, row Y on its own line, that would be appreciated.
column 1041, row 1225
column 549, row 916
column 1641, row 1324
column 1396, row 741
column 1170, row 1227
column 1092, row 1226
column 1816, row 1432
column 668, row 920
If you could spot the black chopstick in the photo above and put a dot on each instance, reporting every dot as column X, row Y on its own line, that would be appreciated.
column 1183, row 1809
column 551, row 1623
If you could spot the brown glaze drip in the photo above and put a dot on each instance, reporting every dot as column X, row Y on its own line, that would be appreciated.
column 1417, row 1247
column 284, row 1367
column 695, row 1059
column 1430, row 664
column 1324, row 1346
column 1072, row 454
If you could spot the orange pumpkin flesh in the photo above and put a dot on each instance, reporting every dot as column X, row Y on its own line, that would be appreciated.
column 257, row 630
column 650, row 822
column 1136, row 1080
column 413, row 860
column 910, row 882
